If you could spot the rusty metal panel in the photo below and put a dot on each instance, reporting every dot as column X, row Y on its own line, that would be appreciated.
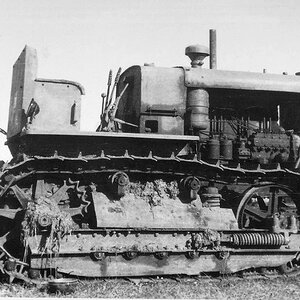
column 153, row 92
column 219, row 79
column 41, row 104
column 22, row 90
column 130, row 212
column 59, row 106
column 163, row 88
column 163, row 95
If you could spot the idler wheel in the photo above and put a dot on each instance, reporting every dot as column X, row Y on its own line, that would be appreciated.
column 268, row 206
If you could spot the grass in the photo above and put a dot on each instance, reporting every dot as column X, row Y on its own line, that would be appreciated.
column 188, row 288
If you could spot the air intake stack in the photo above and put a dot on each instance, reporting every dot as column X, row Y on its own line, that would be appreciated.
column 197, row 54
column 197, row 98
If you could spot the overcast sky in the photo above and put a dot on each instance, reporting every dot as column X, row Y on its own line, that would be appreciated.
column 81, row 40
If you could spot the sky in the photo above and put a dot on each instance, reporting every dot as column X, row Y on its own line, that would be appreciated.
column 81, row 40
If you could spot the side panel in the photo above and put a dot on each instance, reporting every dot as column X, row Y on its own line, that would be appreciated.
column 22, row 90
column 130, row 103
column 155, row 100
column 59, row 106
column 163, row 89
column 163, row 100
column 44, row 105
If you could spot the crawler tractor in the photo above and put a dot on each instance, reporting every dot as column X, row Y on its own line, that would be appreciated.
column 190, row 170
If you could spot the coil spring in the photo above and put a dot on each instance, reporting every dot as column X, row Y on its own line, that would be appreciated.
column 258, row 239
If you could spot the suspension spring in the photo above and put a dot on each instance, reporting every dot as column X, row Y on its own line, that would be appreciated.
column 258, row 239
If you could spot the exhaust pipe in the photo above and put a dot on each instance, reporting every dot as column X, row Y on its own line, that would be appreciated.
column 213, row 49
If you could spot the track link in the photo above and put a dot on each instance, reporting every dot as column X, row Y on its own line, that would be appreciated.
column 151, row 164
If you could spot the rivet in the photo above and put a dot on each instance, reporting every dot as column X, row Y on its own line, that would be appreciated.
column 156, row 234
column 78, row 235
column 94, row 234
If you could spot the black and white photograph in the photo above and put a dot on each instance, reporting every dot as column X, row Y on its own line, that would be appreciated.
column 150, row 149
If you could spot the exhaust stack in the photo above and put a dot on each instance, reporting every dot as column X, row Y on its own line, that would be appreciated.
column 213, row 48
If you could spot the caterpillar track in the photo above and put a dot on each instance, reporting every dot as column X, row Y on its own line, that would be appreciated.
column 122, row 249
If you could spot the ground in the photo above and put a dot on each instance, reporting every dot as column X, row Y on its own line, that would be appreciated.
column 176, row 287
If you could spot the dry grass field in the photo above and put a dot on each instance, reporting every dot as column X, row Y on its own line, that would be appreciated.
column 171, row 288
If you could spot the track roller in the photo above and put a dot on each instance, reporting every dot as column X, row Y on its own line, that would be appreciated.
column 130, row 255
column 192, row 185
column 119, row 182
column 191, row 254
column 161, row 255
column 98, row 255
